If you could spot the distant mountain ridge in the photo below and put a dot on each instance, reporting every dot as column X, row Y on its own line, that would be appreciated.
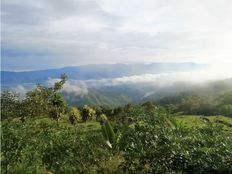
column 95, row 71
column 123, row 93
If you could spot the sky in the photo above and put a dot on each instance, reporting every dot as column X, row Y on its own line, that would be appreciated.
column 56, row 33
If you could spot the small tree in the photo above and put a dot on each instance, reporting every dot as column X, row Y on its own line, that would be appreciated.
column 103, row 119
column 87, row 113
column 58, row 106
column 39, row 100
column 9, row 104
column 98, row 112
column 74, row 115
column 59, row 85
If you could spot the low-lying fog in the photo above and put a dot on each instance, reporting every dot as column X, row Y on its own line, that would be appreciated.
column 153, row 81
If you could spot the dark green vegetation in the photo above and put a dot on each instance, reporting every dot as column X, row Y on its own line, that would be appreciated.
column 42, row 134
column 214, row 98
column 211, row 99
column 146, row 140
column 40, row 145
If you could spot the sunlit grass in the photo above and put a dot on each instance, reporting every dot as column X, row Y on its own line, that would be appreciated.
column 200, row 121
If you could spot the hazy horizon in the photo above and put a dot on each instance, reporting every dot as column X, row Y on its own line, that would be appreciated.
column 116, row 63
column 153, row 81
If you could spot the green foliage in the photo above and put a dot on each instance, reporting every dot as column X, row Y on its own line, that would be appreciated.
column 190, row 104
column 226, row 98
column 9, row 104
column 226, row 109
column 209, row 99
column 37, row 144
column 196, row 121
column 88, row 113
column 103, row 118
column 108, row 131
column 58, row 85
column 57, row 106
column 144, row 138
column 74, row 115
column 40, row 101
column 161, row 145
column 195, row 104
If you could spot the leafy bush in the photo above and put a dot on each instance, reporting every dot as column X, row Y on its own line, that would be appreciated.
column 160, row 145
column 148, row 140
column 88, row 113
column 9, row 104
column 74, row 115
column 31, row 147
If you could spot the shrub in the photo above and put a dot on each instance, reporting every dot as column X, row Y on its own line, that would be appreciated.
column 160, row 145
column 88, row 113
column 31, row 147
column 74, row 115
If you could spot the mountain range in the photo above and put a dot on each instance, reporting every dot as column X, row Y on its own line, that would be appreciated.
column 95, row 71
column 97, row 80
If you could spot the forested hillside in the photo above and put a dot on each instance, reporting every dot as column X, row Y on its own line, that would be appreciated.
column 42, row 133
column 210, row 99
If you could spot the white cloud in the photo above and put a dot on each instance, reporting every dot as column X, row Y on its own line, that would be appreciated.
column 75, row 88
column 214, row 72
column 74, row 32
column 21, row 90
column 72, row 87
column 80, row 88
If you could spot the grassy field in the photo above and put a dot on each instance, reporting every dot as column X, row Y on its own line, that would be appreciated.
column 186, row 120
column 200, row 121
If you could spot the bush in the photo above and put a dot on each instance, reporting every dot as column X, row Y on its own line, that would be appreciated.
column 74, row 115
column 160, row 145
column 151, row 142
column 88, row 113
column 31, row 147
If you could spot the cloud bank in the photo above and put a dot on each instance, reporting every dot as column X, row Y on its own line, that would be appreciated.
column 81, row 88
column 47, row 33
column 211, row 73
column 71, row 87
